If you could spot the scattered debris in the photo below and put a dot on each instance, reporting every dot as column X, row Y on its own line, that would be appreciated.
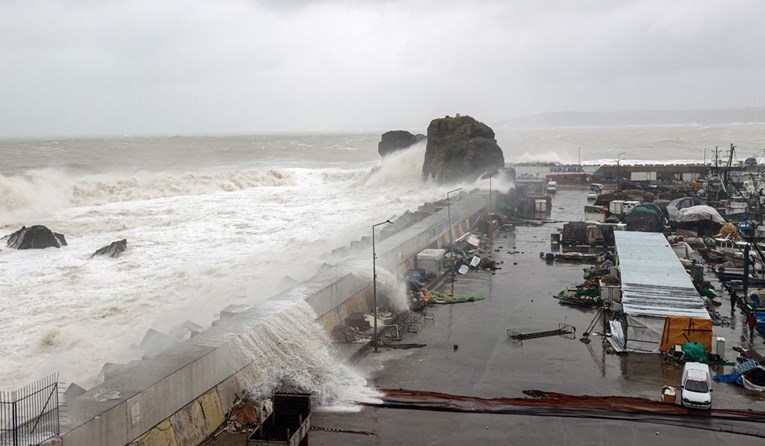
column 245, row 413
column 564, row 330
column 434, row 297
column 403, row 346
column 580, row 296
column 576, row 257
column 749, row 374
column 553, row 404
column 342, row 431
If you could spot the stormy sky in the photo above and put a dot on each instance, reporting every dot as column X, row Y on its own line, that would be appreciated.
column 100, row 67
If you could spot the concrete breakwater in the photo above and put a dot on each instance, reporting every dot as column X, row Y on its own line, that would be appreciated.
column 181, row 395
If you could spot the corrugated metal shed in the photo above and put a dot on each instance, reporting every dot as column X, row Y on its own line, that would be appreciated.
column 654, row 282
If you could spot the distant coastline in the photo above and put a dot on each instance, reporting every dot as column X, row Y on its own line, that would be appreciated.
column 636, row 117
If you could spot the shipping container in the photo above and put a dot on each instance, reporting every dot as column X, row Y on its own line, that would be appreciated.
column 643, row 176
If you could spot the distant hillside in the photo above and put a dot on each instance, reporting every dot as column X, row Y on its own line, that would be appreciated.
column 637, row 117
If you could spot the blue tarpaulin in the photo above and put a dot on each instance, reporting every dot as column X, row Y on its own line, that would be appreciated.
column 735, row 375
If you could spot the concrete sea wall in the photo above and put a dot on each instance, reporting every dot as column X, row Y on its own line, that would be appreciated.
column 180, row 396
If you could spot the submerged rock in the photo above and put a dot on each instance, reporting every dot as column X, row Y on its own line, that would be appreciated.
column 113, row 249
column 397, row 140
column 459, row 149
column 35, row 237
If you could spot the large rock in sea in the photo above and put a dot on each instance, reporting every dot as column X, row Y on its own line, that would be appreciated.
column 459, row 149
column 35, row 237
column 113, row 249
column 397, row 140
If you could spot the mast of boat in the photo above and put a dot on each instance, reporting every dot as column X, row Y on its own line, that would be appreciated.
column 713, row 190
column 729, row 165
column 756, row 196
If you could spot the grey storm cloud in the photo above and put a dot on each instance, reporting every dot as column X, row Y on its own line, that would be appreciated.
column 180, row 66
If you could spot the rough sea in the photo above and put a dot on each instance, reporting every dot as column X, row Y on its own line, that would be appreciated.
column 212, row 221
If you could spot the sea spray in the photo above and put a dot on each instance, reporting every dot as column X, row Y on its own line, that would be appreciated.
column 501, row 182
column 391, row 287
column 292, row 352
column 400, row 167
column 33, row 194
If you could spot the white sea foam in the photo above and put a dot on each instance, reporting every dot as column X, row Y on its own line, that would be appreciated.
column 190, row 254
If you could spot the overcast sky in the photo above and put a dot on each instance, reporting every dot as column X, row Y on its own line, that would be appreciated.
column 89, row 67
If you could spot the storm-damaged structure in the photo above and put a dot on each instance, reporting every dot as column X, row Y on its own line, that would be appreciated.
column 659, row 306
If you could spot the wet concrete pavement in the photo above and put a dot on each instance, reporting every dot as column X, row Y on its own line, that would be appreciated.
column 468, row 353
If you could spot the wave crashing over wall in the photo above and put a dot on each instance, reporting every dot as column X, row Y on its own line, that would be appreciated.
column 292, row 352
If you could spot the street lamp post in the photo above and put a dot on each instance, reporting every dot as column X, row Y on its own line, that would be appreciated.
column 451, row 252
column 490, row 203
column 618, row 166
column 374, row 280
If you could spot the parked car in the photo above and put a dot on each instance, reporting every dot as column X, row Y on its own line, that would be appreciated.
column 696, row 386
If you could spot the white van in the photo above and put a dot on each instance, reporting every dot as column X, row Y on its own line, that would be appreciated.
column 552, row 187
column 696, row 386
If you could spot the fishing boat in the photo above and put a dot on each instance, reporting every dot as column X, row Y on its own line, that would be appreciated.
column 726, row 250
column 595, row 190
column 733, row 277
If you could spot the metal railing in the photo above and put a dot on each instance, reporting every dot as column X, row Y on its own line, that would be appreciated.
column 30, row 415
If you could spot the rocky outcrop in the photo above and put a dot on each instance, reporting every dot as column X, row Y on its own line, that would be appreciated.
column 35, row 237
column 460, row 149
column 113, row 249
column 397, row 140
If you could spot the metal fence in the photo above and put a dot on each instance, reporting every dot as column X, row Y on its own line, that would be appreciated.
column 30, row 415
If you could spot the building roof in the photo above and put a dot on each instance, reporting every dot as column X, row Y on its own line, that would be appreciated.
column 654, row 282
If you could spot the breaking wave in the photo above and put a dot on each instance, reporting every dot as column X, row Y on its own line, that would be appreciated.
column 40, row 191
column 293, row 352
column 400, row 167
column 100, row 191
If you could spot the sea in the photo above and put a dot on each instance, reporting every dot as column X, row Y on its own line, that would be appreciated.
column 214, row 221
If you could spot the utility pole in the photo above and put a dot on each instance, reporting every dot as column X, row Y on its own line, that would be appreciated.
column 374, row 281
column 451, row 242
column 490, row 203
